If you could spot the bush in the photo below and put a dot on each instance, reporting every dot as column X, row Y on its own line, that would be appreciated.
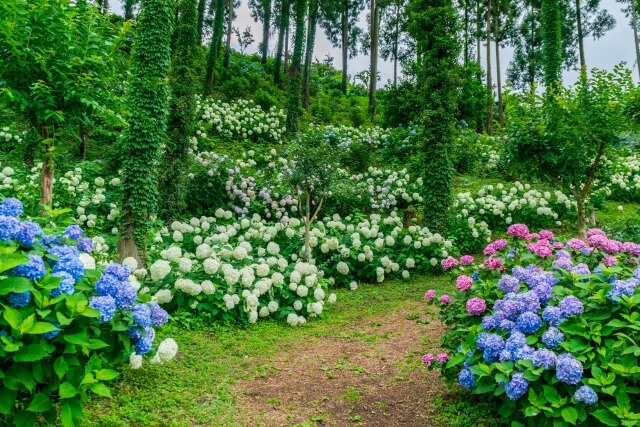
column 548, row 327
column 65, row 325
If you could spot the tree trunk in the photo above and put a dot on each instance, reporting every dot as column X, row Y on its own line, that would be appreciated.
column 128, row 10
column 266, row 27
column 498, row 71
column 478, row 32
column 202, row 5
column 345, row 45
column 583, row 63
column 489, row 82
column 286, row 48
column 214, row 49
column 127, row 247
column 84, row 139
column 282, row 23
column 466, row 32
column 295, row 79
column 396, row 36
column 373, row 69
column 105, row 6
column 552, row 42
column 227, row 52
column 308, row 54
column 46, row 178
column 634, row 20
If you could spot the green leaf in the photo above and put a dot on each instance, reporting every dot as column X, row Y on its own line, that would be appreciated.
column 16, row 285
column 100, row 389
column 550, row 394
column 63, row 320
column 24, row 419
column 570, row 415
column 8, row 261
column 606, row 417
column 7, row 400
column 41, row 328
column 40, row 403
column 456, row 360
column 67, row 416
column 60, row 366
column 27, row 323
column 106, row 374
column 13, row 317
column 67, row 390
column 31, row 353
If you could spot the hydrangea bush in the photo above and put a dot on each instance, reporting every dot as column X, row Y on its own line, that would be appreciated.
column 548, row 327
column 65, row 323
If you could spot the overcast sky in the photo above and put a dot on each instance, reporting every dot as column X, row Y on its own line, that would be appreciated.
column 615, row 47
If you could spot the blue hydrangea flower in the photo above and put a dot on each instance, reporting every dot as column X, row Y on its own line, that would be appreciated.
column 9, row 226
column 490, row 322
column 85, row 245
column 70, row 264
column 581, row 269
column 50, row 241
column 622, row 287
column 51, row 335
column 636, row 273
column 507, row 325
column 33, row 270
column 563, row 254
column 466, row 378
column 543, row 357
column 11, row 207
column 552, row 337
column 552, row 315
column 144, row 344
column 612, row 278
column 141, row 315
column 73, row 232
column 517, row 387
column 508, row 309
column 543, row 291
column 125, row 296
column 529, row 301
column 562, row 264
column 120, row 271
column 67, row 286
column 515, row 342
column 586, row 395
column 571, row 306
column 491, row 344
column 528, row 322
column 568, row 369
column 18, row 300
column 106, row 305
column 158, row 314
column 475, row 276
column 27, row 233
column 107, row 284
column 508, row 283
column 64, row 250
column 586, row 251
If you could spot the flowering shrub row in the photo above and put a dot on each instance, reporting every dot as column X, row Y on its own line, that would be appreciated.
column 548, row 327
column 65, row 323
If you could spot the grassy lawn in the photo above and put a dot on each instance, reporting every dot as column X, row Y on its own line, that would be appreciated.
column 196, row 388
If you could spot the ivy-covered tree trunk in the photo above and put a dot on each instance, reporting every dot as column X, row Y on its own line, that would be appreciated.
column 214, row 47
column 128, row 9
column 286, row 47
column 308, row 53
column 266, row 31
column 432, row 23
column 182, row 108
column 202, row 5
column 227, row 52
column 489, row 82
column 295, row 78
column 147, row 101
column 583, row 61
column 373, row 67
column 552, row 42
column 46, row 176
column 498, row 69
column 345, row 45
column 282, row 24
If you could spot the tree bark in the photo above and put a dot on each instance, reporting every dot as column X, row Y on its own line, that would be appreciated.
column 227, row 52
column 286, row 48
column 295, row 79
column 345, row 44
column 583, row 62
column 308, row 54
column 634, row 20
column 214, row 49
column 202, row 4
column 396, row 36
column 373, row 69
column 478, row 32
column 46, row 178
column 489, row 82
column 498, row 71
column 282, row 23
column 84, row 139
column 266, row 27
column 466, row 32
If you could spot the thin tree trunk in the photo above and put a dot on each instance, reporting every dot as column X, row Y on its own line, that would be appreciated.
column 634, row 15
column 227, row 52
column 128, row 10
column 466, row 31
column 286, row 48
column 532, row 74
column 308, row 54
column 373, row 70
column 396, row 35
column 295, row 78
column 489, row 82
column 583, row 62
column 478, row 32
column 214, row 49
column 84, row 139
column 498, row 71
column 202, row 5
column 283, row 22
column 266, row 30
column 345, row 45
column 105, row 6
column 46, row 178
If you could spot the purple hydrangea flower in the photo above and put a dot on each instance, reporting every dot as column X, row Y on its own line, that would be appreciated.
column 508, row 283
column 586, row 395
column 158, row 314
column 622, row 287
column 568, row 369
column 544, row 292
column 562, row 264
column 106, row 305
column 85, row 245
column 529, row 301
column 552, row 337
column 581, row 269
column 11, row 207
column 33, row 270
column 73, row 232
column 543, row 357
column 552, row 315
column 476, row 306
column 571, row 306
column 517, row 387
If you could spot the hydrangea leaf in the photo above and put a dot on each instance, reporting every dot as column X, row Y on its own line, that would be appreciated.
column 40, row 403
column 16, row 285
column 570, row 415
column 606, row 417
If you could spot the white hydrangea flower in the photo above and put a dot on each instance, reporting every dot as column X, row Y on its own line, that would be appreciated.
column 159, row 270
column 297, row 305
column 188, row 286
column 135, row 361
column 167, row 351
column 88, row 261
column 353, row 286
column 318, row 293
column 185, row 265
column 207, row 287
column 163, row 296
column 342, row 268
column 273, row 306
column 332, row 298
column 211, row 266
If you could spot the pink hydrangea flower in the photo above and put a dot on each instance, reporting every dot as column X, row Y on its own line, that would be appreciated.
column 464, row 283
column 431, row 294
column 595, row 231
column 493, row 263
column 448, row 263
column 442, row 357
column 576, row 244
column 500, row 244
column 546, row 234
column 490, row 249
column 631, row 248
column 558, row 245
column 428, row 358
column 476, row 306
column 610, row 261
column 466, row 259
column 518, row 230
column 444, row 299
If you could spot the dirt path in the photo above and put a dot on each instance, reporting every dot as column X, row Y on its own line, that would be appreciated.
column 367, row 374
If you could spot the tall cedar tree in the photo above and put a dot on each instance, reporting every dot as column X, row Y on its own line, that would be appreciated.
column 308, row 52
column 432, row 23
column 148, row 105
column 216, row 43
column 394, row 43
column 591, row 21
column 182, row 110
column 295, row 78
column 375, row 11
column 283, row 26
column 260, row 11
column 551, row 42
column 631, row 11
column 202, row 6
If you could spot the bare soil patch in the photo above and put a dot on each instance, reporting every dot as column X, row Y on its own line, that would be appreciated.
column 367, row 374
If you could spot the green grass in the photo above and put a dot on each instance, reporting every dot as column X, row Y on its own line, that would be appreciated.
column 196, row 388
